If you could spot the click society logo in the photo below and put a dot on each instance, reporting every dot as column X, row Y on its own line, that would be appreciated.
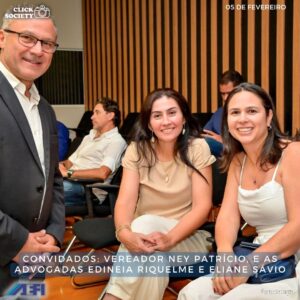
column 28, row 289
column 28, row 12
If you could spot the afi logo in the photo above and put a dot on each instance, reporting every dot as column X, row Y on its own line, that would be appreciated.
column 27, row 289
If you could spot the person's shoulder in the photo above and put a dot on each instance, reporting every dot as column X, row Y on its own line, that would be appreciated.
column 44, row 101
column 292, row 149
column 131, row 154
column 237, row 161
column 132, row 148
column 122, row 139
column 290, row 158
column 198, row 145
column 3, row 79
column 199, row 153
column 197, row 142
column 119, row 138
column 47, row 106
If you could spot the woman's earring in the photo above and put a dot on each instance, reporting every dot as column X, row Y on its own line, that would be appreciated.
column 183, row 129
column 269, row 127
column 152, row 138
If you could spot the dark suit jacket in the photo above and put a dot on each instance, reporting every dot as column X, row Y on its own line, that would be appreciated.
column 22, row 208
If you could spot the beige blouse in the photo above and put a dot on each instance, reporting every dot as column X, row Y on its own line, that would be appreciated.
column 166, row 188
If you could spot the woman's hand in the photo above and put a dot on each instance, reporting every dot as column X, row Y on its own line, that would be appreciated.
column 223, row 285
column 162, row 242
column 137, row 242
column 212, row 135
column 229, row 275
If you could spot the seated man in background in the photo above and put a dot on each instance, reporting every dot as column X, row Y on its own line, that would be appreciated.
column 228, row 81
column 99, row 154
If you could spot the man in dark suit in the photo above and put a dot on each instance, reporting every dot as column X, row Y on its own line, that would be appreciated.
column 31, row 193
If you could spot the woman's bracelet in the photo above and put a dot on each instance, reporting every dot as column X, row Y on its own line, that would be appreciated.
column 120, row 228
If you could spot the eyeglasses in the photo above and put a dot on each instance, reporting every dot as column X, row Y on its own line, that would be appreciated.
column 29, row 41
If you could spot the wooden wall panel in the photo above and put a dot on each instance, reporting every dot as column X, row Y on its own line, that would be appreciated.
column 238, row 36
column 134, row 46
column 175, row 53
column 151, row 43
column 145, row 50
column 184, row 49
column 113, row 25
column 203, row 56
column 132, row 49
column 101, row 45
column 120, row 72
column 280, row 26
column 125, row 36
column 194, row 57
column 159, row 43
column 265, row 21
column 166, row 52
column 225, row 35
column 251, row 45
column 138, row 47
column 214, row 55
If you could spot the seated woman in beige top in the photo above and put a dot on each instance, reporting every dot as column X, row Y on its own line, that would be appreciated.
column 166, row 191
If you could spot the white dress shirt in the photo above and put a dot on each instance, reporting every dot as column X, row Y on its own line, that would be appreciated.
column 30, row 108
column 95, row 152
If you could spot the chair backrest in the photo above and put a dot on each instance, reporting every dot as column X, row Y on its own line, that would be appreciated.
column 83, row 128
column 219, row 182
column 112, row 196
column 117, row 176
column 85, row 124
column 127, row 127
column 202, row 117
column 74, row 144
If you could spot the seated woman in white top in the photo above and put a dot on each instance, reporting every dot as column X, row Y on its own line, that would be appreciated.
column 165, row 193
column 263, row 186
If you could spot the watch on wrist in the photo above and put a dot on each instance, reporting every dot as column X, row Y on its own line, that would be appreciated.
column 70, row 173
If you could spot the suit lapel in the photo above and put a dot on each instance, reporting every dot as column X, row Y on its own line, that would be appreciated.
column 46, row 138
column 15, row 108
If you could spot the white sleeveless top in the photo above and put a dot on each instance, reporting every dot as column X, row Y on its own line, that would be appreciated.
column 263, row 208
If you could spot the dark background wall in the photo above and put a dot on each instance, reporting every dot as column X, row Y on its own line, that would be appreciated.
column 63, row 82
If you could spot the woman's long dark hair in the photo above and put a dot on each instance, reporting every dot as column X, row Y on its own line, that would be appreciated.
column 274, row 142
column 143, row 134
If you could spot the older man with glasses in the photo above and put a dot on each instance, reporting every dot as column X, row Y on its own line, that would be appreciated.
column 31, row 203
column 30, row 41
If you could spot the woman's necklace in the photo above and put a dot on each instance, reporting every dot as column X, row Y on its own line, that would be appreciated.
column 165, row 168
column 167, row 178
column 254, row 175
column 165, row 159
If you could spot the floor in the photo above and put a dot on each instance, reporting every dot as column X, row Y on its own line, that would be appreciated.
column 60, row 288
